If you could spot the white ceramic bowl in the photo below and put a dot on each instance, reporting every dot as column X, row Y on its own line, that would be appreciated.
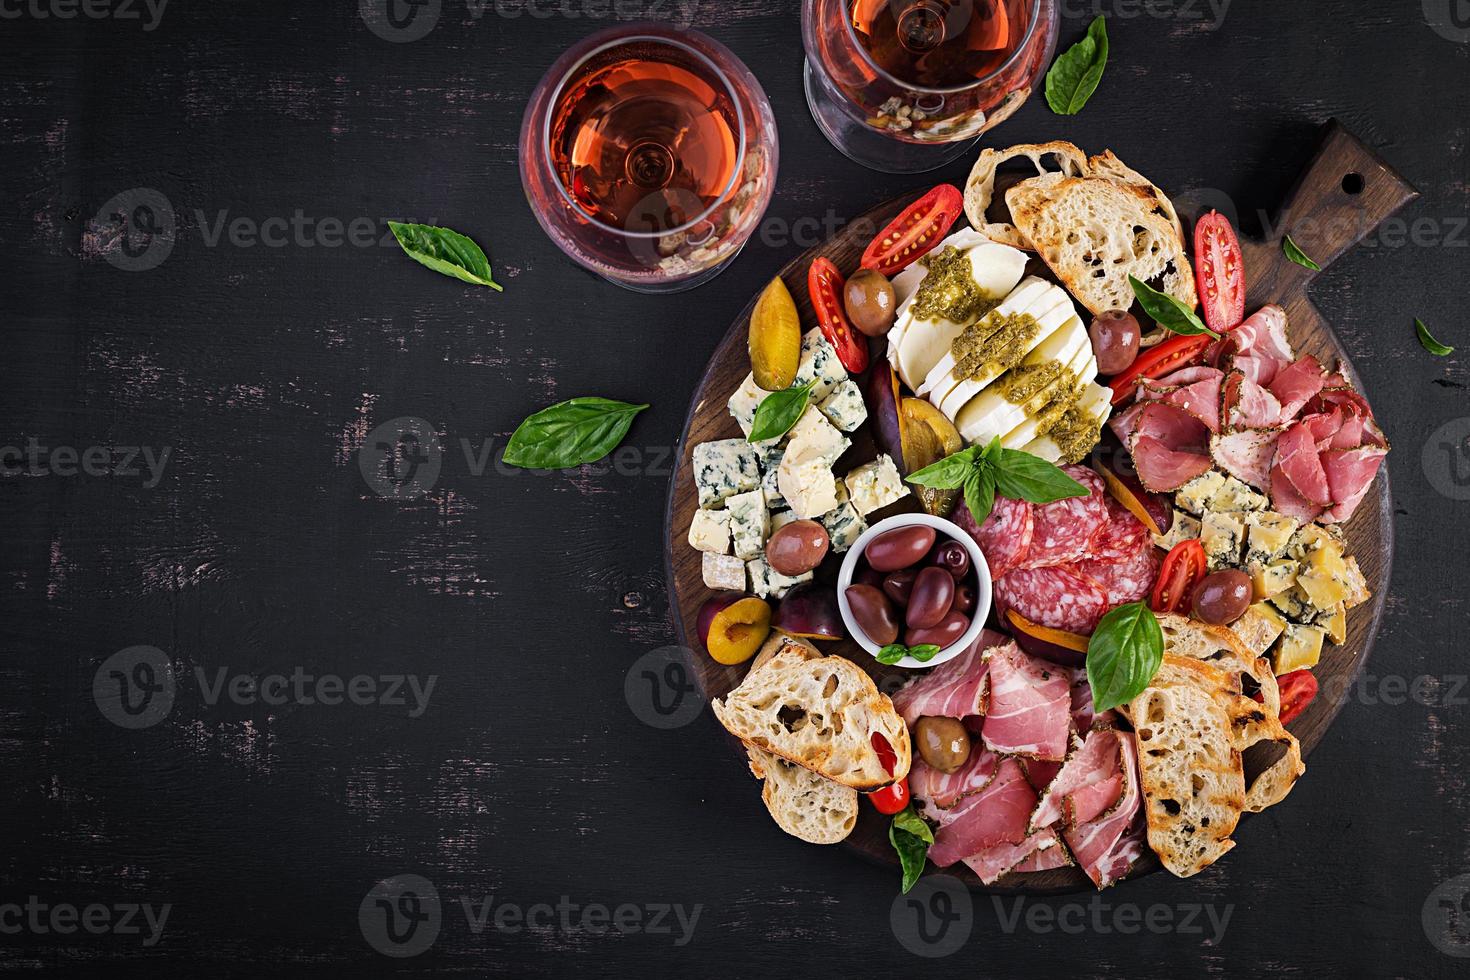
column 945, row 528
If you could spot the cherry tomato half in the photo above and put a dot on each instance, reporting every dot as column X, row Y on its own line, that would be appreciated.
column 1298, row 688
column 1172, row 354
column 892, row 798
column 914, row 233
column 1184, row 567
column 825, row 284
column 1219, row 272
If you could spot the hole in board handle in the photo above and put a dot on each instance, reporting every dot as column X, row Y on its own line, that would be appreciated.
column 1353, row 184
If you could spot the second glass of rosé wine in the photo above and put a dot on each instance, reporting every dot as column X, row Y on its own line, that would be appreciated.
column 649, row 154
column 905, row 86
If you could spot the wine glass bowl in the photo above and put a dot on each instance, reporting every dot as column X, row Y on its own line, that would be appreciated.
column 648, row 155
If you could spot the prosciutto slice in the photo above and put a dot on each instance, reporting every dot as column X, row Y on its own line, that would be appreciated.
column 1107, row 845
column 1286, row 499
column 943, row 790
column 1296, row 384
column 951, row 690
column 1096, row 763
column 1044, row 858
column 1350, row 473
column 1030, row 705
column 995, row 861
column 1246, row 455
column 996, row 815
column 1297, row 460
column 1246, row 405
column 1199, row 399
column 1264, row 333
column 1163, row 469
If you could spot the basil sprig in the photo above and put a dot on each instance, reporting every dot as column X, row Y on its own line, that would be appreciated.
column 446, row 252
column 570, row 433
column 1167, row 311
column 1012, row 473
column 1427, row 341
column 1294, row 252
column 910, row 837
column 894, row 652
column 1078, row 70
column 779, row 411
column 1123, row 655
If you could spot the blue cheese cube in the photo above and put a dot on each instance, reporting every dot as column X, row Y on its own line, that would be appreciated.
column 745, row 401
column 1222, row 535
column 1183, row 528
column 813, row 436
column 808, row 485
column 844, row 526
column 819, row 363
column 768, row 583
column 750, row 523
column 845, row 408
column 1233, row 495
column 780, row 519
column 710, row 531
column 724, row 468
column 723, row 573
column 875, row 485
column 1195, row 496
column 770, row 482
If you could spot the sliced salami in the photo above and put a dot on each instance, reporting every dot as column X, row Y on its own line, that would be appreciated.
column 1004, row 537
column 1062, row 531
column 1123, row 537
column 1061, row 597
column 1128, row 579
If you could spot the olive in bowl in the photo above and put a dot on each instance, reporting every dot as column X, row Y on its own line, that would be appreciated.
column 926, row 594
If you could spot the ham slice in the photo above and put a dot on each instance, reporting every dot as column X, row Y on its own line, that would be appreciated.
column 1350, row 473
column 1264, row 334
column 1040, row 772
column 1246, row 405
column 942, row 790
column 1097, row 762
column 951, row 690
column 1296, row 384
column 1162, row 469
column 1246, row 455
column 1297, row 460
column 1109, row 844
column 1286, row 500
column 1030, row 705
column 1200, row 399
column 996, row 815
column 1044, row 858
column 995, row 861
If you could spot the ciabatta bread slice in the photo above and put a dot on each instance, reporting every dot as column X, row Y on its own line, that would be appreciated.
column 980, row 187
column 805, row 805
column 821, row 715
column 1223, row 648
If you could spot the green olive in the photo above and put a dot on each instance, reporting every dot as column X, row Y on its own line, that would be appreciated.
column 943, row 742
column 870, row 302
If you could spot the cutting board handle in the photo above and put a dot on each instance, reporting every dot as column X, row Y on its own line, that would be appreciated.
column 1342, row 197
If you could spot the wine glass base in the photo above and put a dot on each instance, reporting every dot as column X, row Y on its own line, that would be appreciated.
column 873, row 150
column 677, row 285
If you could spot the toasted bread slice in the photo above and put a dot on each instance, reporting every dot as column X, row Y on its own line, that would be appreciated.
column 1220, row 647
column 803, row 804
column 1253, row 726
column 779, row 642
column 980, row 186
column 819, row 714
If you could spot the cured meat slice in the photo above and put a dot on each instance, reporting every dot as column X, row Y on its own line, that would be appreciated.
column 1126, row 580
column 1200, row 399
column 996, row 815
column 1286, row 500
column 1246, row 455
column 993, row 862
column 1296, row 384
column 1109, row 844
column 1043, row 859
column 1030, row 706
column 1162, row 469
column 1297, row 459
column 1324, row 427
column 942, row 790
column 1062, row 531
column 1123, row 536
column 951, row 690
column 1264, row 333
column 1005, row 536
column 1125, row 423
column 1350, row 473
column 1246, row 405
column 1096, row 761
column 1190, row 375
column 1060, row 597
column 1040, row 772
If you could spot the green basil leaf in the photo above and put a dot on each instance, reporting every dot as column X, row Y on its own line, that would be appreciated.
column 910, row 837
column 1429, row 343
column 570, row 433
column 924, row 652
column 1022, row 476
column 445, row 251
column 980, row 493
column 1078, row 70
column 1293, row 251
column 779, row 411
column 992, row 451
column 891, row 654
column 1123, row 655
column 949, row 473
column 1167, row 311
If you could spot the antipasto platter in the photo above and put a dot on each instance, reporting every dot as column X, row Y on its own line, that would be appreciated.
column 1039, row 537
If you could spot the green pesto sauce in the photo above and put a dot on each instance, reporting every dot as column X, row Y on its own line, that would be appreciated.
column 1024, row 382
column 994, row 345
column 1075, row 432
column 949, row 291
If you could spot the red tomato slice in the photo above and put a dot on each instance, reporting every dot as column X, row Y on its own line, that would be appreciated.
column 1219, row 271
column 892, row 798
column 1183, row 568
column 1172, row 354
column 825, row 284
column 886, row 755
column 914, row 233
column 1298, row 688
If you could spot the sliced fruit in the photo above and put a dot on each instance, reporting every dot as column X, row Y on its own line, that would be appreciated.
column 1150, row 508
column 775, row 338
column 1297, row 691
column 733, row 627
column 1067, row 641
column 891, row 798
column 1184, row 566
column 916, row 412
column 809, row 611
column 880, row 390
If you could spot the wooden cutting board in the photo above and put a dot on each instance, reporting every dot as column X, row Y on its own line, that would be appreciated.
column 1343, row 195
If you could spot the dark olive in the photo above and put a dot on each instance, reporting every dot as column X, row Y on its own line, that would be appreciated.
column 1115, row 337
column 867, row 575
column 900, row 584
column 870, row 302
column 797, row 548
column 1222, row 597
column 951, row 555
column 931, row 598
column 900, row 548
column 950, row 629
column 943, row 742
column 965, row 598
column 873, row 613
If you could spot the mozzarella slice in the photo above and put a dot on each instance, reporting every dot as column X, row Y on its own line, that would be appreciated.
column 1096, row 401
column 1020, row 300
column 906, row 283
column 1049, row 323
column 1083, row 368
column 991, row 414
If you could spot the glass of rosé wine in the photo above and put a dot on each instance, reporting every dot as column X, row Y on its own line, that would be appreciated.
column 905, row 86
column 649, row 154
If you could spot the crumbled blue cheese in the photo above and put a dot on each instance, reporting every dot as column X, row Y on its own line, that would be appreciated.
column 724, row 468
column 813, row 435
column 1196, row 495
column 710, row 531
column 1233, row 495
column 844, row 526
column 875, row 485
column 844, row 408
column 767, row 583
column 723, row 573
column 819, row 363
column 750, row 523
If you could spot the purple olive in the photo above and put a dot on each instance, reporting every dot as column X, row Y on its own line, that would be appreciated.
column 867, row 576
column 951, row 555
column 930, row 601
column 873, row 613
column 950, row 629
column 900, row 548
column 965, row 598
column 899, row 585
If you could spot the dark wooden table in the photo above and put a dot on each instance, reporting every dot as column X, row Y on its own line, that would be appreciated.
column 532, row 784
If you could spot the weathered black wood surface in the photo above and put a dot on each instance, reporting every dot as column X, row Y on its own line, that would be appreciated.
column 531, row 776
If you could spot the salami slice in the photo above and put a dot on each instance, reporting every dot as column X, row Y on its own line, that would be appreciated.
column 1128, row 580
column 1122, row 538
column 1063, row 530
column 1059, row 596
column 1004, row 537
